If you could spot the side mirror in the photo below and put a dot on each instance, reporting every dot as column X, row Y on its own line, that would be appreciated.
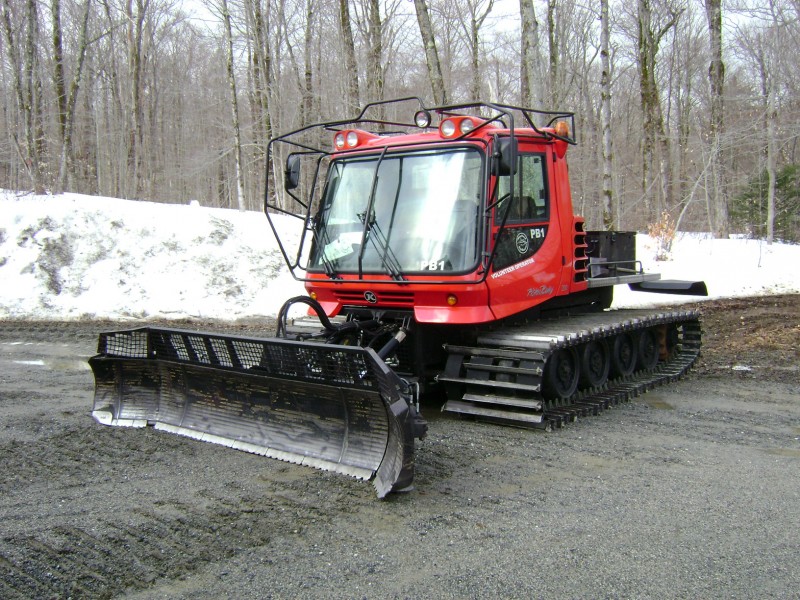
column 291, row 176
column 504, row 158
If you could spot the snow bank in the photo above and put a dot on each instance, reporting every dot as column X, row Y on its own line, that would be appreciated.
column 730, row 268
column 77, row 257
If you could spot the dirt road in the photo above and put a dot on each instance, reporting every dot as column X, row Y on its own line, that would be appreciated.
column 689, row 491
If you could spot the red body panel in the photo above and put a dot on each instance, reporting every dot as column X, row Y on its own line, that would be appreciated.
column 428, row 302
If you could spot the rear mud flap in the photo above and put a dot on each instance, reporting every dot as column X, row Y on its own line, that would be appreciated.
column 335, row 408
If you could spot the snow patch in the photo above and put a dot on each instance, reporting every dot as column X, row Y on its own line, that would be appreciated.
column 75, row 257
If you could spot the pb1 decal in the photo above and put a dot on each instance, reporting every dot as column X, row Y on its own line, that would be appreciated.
column 538, row 233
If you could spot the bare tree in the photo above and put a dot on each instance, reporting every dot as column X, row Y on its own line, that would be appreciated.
column 683, row 83
column 553, row 55
column 258, row 19
column 66, row 99
column 25, row 87
column 135, row 14
column 761, row 46
column 605, row 117
column 372, row 29
column 765, row 45
column 308, row 71
column 530, row 70
column 353, row 100
column 431, row 53
column 375, row 73
column 471, row 21
column 237, row 138
column 650, row 32
column 129, row 98
column 716, row 78
column 765, row 62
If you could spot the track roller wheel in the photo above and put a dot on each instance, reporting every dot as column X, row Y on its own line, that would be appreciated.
column 595, row 364
column 561, row 374
column 623, row 355
column 647, row 349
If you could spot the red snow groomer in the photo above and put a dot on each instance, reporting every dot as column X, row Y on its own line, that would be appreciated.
column 440, row 253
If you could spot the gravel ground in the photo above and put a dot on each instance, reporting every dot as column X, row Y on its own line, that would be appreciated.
column 689, row 491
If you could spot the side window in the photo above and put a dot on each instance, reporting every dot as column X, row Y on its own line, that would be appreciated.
column 528, row 212
column 530, row 201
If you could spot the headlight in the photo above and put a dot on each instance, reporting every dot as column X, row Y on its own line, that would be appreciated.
column 448, row 128
column 422, row 118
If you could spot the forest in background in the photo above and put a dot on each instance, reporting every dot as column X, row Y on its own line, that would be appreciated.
column 686, row 110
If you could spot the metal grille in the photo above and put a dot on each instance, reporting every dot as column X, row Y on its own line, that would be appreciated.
column 384, row 297
column 324, row 363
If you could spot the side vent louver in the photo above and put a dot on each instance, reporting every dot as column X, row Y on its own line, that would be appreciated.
column 581, row 262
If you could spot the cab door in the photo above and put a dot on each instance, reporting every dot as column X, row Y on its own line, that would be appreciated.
column 526, row 269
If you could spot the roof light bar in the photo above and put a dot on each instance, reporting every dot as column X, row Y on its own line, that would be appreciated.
column 348, row 139
column 458, row 125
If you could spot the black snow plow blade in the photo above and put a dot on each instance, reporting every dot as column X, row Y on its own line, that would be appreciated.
column 336, row 408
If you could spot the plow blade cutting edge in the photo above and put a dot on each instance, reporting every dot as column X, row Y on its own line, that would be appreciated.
column 335, row 408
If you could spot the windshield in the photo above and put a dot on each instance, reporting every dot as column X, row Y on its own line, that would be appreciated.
column 424, row 213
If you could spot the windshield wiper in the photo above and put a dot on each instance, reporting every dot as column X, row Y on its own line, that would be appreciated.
column 327, row 264
column 378, row 240
column 321, row 241
column 389, row 259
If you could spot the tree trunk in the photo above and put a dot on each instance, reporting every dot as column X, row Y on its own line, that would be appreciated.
column 58, row 70
column 472, row 30
column 308, row 72
column 135, row 36
column 262, row 68
column 605, row 117
column 767, row 78
column 552, row 50
column 645, row 64
column 237, row 139
column 716, row 77
column 475, row 87
column 66, row 100
column 112, row 144
column 531, row 58
column 24, row 77
column 654, row 138
column 431, row 54
column 771, row 174
column 260, row 77
column 351, row 68
column 375, row 74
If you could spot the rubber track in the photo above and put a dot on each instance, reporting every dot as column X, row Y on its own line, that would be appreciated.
column 500, row 378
